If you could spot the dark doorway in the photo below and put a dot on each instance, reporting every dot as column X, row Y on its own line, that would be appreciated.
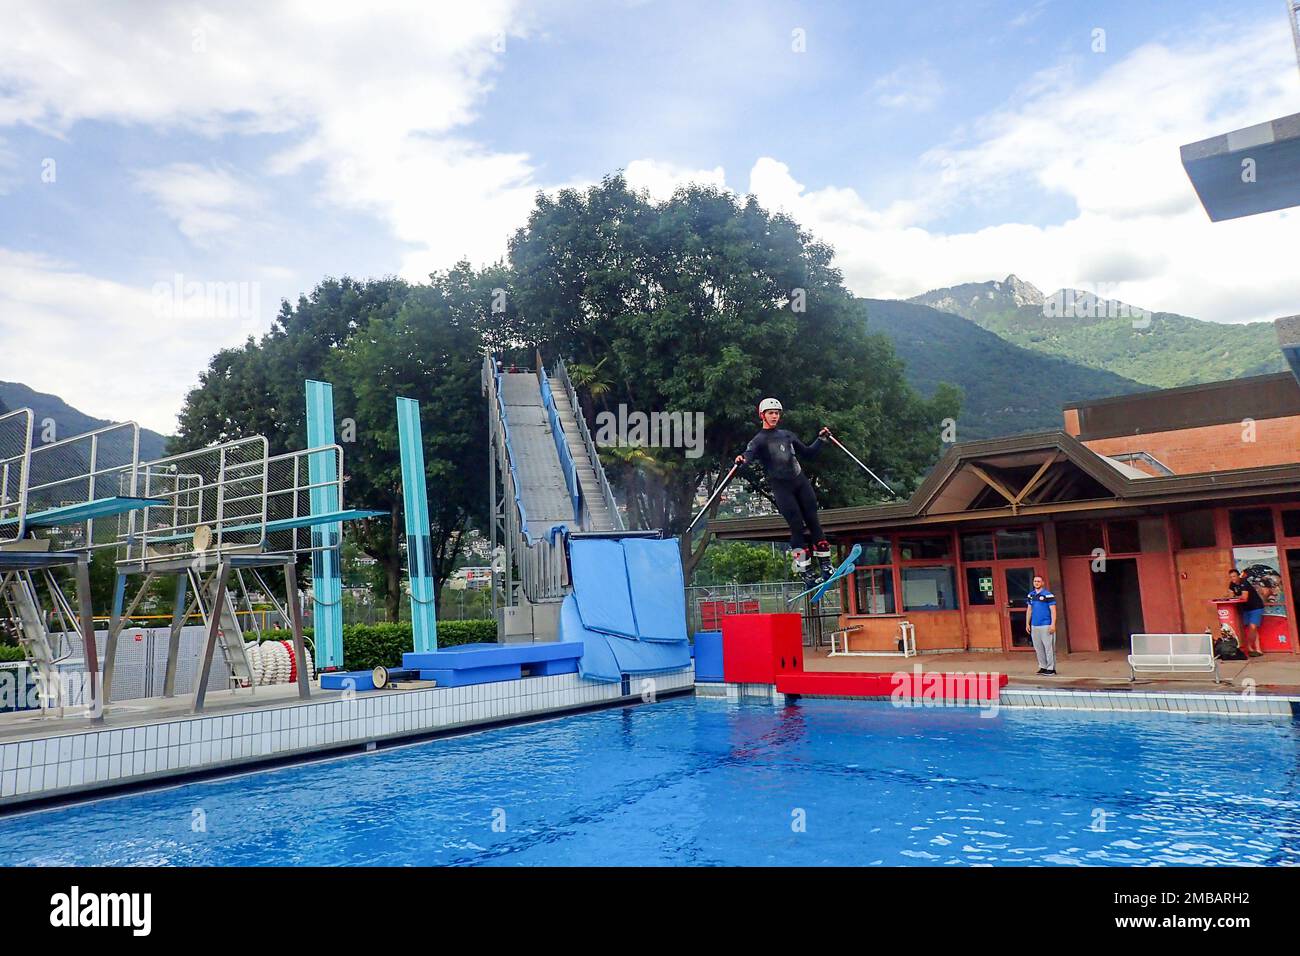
column 1118, row 601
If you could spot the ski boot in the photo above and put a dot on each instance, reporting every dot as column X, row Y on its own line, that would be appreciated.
column 803, row 567
column 822, row 552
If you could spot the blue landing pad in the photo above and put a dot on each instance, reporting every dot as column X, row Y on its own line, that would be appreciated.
column 466, row 664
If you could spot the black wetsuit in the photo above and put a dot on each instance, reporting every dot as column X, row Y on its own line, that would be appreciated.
column 779, row 451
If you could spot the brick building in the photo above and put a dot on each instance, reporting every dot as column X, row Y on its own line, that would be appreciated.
column 1134, row 511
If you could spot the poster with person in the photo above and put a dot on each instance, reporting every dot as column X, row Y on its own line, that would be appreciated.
column 1259, row 565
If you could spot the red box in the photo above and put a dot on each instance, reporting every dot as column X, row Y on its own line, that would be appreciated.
column 758, row 647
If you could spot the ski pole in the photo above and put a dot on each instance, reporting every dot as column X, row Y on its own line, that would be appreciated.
column 841, row 447
column 715, row 494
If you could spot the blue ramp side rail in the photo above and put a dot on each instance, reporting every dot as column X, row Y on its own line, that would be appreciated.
column 561, row 446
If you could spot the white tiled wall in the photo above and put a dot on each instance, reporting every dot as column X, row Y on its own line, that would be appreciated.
column 39, row 768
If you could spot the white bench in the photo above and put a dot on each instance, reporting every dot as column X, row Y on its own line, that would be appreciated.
column 1173, row 653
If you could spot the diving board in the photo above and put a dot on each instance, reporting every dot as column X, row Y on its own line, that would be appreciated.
column 311, row 521
column 85, row 511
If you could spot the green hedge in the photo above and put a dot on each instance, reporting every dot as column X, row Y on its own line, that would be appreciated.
column 366, row 646
column 9, row 653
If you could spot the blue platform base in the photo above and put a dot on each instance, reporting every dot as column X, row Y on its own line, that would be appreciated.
column 472, row 675
column 568, row 665
column 708, row 657
column 466, row 664
column 338, row 680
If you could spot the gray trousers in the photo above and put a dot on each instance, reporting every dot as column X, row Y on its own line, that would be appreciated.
column 1044, row 646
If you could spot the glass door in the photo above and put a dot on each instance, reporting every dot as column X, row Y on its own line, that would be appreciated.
column 1017, row 581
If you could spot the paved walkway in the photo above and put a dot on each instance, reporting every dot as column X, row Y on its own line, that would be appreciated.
column 1273, row 673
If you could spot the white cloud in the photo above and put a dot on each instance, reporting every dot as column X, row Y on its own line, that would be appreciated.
column 371, row 100
column 661, row 179
column 1110, row 146
column 916, row 87
column 108, row 349
column 205, row 201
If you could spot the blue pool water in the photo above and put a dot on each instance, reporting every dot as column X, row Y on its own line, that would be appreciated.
column 691, row 781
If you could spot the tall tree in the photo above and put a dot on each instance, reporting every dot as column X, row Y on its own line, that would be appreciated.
column 704, row 304
column 430, row 351
column 370, row 339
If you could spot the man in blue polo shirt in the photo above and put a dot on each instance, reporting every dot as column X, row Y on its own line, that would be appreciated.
column 1040, row 625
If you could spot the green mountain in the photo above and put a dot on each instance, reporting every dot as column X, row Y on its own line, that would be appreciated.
column 69, row 421
column 1162, row 349
column 1007, row 389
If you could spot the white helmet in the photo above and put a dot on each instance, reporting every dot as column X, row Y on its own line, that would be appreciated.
column 768, row 405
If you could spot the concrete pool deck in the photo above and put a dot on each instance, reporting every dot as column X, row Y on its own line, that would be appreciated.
column 1260, row 687
column 1087, row 670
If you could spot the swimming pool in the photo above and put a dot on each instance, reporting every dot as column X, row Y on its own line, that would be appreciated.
column 689, row 781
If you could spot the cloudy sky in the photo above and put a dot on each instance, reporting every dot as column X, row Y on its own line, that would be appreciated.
column 169, row 171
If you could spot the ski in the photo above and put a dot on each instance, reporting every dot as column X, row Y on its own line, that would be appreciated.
column 846, row 567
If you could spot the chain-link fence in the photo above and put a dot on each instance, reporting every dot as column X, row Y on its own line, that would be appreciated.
column 707, row 605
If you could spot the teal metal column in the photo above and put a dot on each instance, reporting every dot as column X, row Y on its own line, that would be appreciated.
column 419, row 546
column 326, row 574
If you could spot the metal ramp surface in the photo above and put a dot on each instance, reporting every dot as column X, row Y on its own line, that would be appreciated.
column 538, row 473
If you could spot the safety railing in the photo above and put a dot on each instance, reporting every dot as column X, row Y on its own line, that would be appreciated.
column 84, row 470
column 540, row 557
column 567, row 463
column 606, row 492
column 214, row 500
column 15, row 462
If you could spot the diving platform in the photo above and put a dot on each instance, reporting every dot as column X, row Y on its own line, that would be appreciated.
column 84, row 511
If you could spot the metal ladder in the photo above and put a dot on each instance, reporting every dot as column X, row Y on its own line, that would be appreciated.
column 228, row 632
column 20, row 600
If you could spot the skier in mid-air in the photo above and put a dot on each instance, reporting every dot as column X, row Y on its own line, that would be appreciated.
column 779, row 451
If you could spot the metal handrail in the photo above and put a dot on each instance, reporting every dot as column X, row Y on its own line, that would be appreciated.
column 87, row 476
column 607, row 492
column 22, row 461
column 183, row 491
column 569, row 466
column 542, row 566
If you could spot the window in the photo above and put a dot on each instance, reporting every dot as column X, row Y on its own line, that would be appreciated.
column 979, row 586
column 1291, row 523
column 1195, row 529
column 977, row 546
column 1151, row 532
column 875, row 551
column 928, row 589
column 1251, row 526
column 1017, row 543
column 924, row 549
column 1079, row 537
column 1123, row 537
column 875, row 590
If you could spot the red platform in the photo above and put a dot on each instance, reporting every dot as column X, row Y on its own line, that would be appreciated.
column 758, row 647
column 910, row 685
